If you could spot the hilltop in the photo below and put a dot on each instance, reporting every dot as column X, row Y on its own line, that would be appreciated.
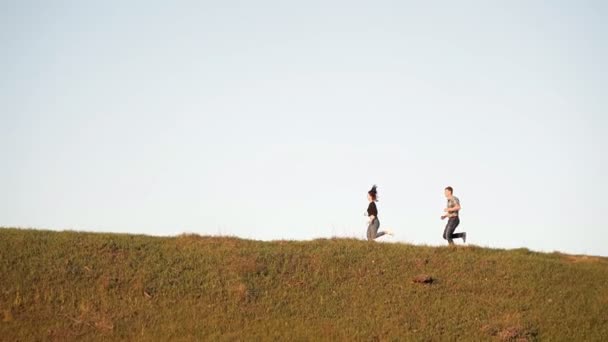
column 89, row 286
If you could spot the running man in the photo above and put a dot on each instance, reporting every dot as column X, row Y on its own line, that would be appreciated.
column 372, row 213
column 451, row 212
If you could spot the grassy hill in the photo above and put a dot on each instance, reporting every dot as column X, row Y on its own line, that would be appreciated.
column 69, row 285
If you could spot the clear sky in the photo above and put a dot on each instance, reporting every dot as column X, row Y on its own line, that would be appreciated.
column 272, row 119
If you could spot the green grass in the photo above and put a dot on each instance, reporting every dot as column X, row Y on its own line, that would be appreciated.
column 70, row 285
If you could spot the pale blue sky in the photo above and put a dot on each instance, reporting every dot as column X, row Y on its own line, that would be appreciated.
column 271, row 119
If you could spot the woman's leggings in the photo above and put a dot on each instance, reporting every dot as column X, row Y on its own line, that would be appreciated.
column 372, row 229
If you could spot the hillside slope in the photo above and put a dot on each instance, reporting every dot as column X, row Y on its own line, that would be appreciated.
column 69, row 285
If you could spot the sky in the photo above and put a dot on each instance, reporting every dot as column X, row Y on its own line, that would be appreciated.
column 272, row 119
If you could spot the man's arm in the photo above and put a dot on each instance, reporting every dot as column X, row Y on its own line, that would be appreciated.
column 455, row 208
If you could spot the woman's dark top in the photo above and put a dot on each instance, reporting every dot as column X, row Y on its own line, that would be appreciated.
column 372, row 210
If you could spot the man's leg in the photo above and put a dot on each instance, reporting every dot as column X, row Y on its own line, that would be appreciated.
column 458, row 235
column 449, row 230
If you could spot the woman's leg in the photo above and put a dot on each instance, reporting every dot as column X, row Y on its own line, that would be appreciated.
column 372, row 229
column 379, row 234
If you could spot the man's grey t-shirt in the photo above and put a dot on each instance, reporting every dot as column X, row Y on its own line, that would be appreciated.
column 451, row 204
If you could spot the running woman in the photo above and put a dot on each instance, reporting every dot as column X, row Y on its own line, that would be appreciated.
column 451, row 212
column 372, row 213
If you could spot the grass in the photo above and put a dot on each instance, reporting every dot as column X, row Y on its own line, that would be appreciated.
column 87, row 286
